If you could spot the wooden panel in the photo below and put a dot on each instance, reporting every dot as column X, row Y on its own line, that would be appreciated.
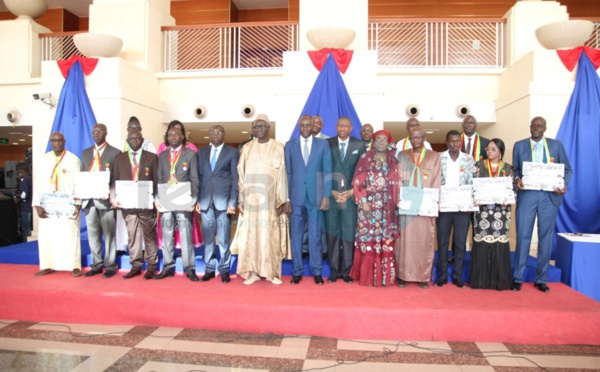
column 53, row 19
column 194, row 12
column 199, row 5
column 424, row 10
column 582, row 8
column 234, row 13
column 7, row 16
column 263, row 15
column 84, row 23
column 12, row 153
column 197, row 18
column 70, row 21
column 293, row 10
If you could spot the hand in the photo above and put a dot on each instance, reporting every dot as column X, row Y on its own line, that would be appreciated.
column 365, row 207
column 282, row 208
column 199, row 210
column 241, row 207
column 104, row 198
column 324, row 204
column 342, row 197
column 115, row 203
column 76, row 212
column 41, row 212
column 158, row 206
column 191, row 208
column 334, row 195
column 520, row 185
column 230, row 209
column 561, row 191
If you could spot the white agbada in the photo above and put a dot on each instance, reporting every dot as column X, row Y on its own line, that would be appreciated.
column 58, row 238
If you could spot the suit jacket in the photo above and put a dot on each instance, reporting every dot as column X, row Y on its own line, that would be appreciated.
column 148, row 170
column 186, row 169
column 522, row 153
column 344, row 170
column 483, row 144
column 107, row 161
column 221, row 185
column 313, row 179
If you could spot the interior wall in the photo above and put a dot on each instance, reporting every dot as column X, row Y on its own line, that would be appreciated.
column 194, row 12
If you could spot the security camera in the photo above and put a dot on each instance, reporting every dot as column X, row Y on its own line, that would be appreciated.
column 42, row 95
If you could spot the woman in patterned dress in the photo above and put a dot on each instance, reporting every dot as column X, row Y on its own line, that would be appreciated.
column 490, row 257
column 375, row 186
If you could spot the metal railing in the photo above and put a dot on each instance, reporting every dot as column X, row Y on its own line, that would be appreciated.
column 59, row 45
column 228, row 46
column 438, row 43
column 594, row 40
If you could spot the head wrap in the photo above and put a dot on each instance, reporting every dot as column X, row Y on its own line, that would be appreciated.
column 385, row 133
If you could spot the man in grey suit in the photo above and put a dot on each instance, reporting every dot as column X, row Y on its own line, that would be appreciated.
column 99, row 213
column 178, row 164
column 218, row 190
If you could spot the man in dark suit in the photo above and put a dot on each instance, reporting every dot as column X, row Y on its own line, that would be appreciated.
column 530, row 203
column 175, row 165
column 218, row 190
column 308, row 167
column 138, row 165
column 100, row 216
column 340, row 220
column 470, row 141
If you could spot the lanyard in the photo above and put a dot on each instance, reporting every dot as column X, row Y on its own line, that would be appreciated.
column 173, row 159
column 545, row 144
column 95, row 166
column 135, row 167
column 54, row 175
column 488, row 165
column 415, row 177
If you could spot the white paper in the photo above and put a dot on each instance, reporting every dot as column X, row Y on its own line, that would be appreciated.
column 58, row 204
column 134, row 194
column 497, row 190
column 457, row 199
column 92, row 185
column 422, row 201
column 543, row 176
column 175, row 197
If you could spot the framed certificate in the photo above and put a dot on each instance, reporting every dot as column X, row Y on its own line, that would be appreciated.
column 457, row 199
column 92, row 185
column 417, row 201
column 134, row 194
column 497, row 190
column 175, row 197
column 543, row 176
column 58, row 204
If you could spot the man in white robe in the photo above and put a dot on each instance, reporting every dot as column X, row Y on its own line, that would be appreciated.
column 59, row 237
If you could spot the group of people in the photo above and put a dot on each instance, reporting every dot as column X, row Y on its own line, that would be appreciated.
column 337, row 198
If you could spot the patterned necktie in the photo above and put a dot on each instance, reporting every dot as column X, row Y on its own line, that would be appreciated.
column 342, row 151
column 213, row 160
column 135, row 163
column 305, row 152
column 469, row 147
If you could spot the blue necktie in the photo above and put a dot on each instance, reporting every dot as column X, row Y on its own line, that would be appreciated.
column 342, row 151
column 305, row 152
column 213, row 161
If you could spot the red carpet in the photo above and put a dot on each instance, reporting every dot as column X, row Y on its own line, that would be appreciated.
column 339, row 310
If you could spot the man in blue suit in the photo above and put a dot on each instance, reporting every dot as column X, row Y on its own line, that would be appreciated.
column 217, row 171
column 308, row 167
column 530, row 203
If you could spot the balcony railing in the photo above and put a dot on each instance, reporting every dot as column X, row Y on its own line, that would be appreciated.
column 57, row 46
column 438, row 43
column 594, row 40
column 227, row 46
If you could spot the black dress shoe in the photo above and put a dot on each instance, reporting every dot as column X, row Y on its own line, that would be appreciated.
column 296, row 279
column 459, row 283
column 132, row 273
column 516, row 286
column 347, row 279
column 191, row 274
column 225, row 278
column 325, row 256
column 93, row 272
column 109, row 273
column 319, row 279
column 423, row 285
column 400, row 283
column 440, row 282
column 150, row 272
column 304, row 254
column 165, row 273
column 542, row 287
column 332, row 279
column 208, row 276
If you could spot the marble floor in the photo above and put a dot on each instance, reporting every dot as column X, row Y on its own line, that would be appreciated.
column 56, row 347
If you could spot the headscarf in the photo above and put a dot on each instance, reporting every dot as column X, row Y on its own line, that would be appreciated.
column 385, row 133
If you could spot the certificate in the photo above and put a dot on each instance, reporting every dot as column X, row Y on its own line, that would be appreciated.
column 58, row 204
column 457, row 199
column 175, row 197
column 134, row 194
column 417, row 201
column 92, row 185
column 493, row 190
column 543, row 176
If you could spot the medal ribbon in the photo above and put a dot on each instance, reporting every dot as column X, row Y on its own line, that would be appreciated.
column 95, row 166
column 406, row 143
column 476, row 149
column 545, row 144
column 488, row 165
column 173, row 159
column 54, row 175
column 135, row 167
column 415, row 177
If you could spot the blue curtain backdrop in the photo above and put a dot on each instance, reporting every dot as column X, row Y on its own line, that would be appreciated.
column 580, row 134
column 75, row 118
column 330, row 100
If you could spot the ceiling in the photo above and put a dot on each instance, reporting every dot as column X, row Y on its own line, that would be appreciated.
column 19, row 135
column 81, row 7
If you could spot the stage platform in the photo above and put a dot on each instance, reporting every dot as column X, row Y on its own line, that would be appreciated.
column 339, row 310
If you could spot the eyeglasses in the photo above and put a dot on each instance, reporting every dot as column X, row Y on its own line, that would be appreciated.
column 259, row 126
column 417, row 137
column 57, row 140
column 98, row 131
